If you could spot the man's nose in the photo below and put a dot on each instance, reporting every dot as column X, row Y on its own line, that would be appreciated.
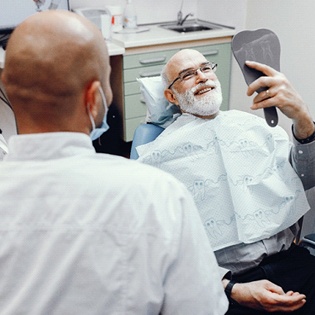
column 200, row 76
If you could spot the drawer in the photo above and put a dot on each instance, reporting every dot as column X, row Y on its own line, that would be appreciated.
column 132, row 74
column 134, row 107
column 132, row 88
column 148, row 59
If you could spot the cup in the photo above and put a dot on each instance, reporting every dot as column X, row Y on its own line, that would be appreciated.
column 117, row 17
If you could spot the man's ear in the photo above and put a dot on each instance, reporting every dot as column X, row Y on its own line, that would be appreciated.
column 92, row 98
column 170, row 96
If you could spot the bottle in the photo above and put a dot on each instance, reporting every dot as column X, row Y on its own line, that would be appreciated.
column 130, row 16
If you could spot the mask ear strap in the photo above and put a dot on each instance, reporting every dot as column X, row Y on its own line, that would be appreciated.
column 91, row 117
column 103, row 99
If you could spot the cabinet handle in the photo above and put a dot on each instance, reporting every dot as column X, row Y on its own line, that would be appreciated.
column 142, row 100
column 153, row 60
column 150, row 74
column 211, row 52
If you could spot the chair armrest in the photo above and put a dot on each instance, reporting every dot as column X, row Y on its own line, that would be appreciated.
column 144, row 133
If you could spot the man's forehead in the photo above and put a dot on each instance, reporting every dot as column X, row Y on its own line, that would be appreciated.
column 188, row 60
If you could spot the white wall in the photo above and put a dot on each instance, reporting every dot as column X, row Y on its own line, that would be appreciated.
column 227, row 12
column 148, row 11
column 294, row 23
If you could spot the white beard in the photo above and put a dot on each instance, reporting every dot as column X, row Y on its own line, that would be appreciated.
column 207, row 105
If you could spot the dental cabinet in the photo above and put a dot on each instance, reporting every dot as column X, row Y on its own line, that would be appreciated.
column 145, row 55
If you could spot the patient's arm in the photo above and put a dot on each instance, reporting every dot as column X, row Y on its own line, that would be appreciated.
column 302, row 158
column 282, row 94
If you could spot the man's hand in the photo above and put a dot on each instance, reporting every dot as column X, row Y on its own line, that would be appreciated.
column 282, row 95
column 264, row 295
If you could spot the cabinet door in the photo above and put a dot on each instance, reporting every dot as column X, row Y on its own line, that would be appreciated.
column 148, row 59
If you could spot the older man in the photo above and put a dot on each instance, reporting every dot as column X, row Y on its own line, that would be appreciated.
column 248, row 195
column 87, row 233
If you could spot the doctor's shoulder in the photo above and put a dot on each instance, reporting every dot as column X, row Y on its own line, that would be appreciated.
column 124, row 168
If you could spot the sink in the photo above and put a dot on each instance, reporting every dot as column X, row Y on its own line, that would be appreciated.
column 190, row 26
column 187, row 29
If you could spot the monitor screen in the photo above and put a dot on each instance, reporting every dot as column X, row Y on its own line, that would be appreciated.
column 13, row 12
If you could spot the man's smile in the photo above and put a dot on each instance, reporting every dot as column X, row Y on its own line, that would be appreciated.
column 204, row 90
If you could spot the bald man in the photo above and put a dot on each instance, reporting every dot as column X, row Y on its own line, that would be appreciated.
column 81, row 232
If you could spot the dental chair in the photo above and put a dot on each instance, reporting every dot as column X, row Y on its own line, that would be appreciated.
column 144, row 133
column 160, row 113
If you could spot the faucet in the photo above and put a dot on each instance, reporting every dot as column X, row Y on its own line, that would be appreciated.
column 180, row 19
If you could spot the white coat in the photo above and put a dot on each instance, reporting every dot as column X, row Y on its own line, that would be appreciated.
column 87, row 233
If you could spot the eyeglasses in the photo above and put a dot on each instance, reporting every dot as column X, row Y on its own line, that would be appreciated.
column 186, row 75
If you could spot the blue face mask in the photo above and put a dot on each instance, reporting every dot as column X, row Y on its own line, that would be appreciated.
column 97, row 132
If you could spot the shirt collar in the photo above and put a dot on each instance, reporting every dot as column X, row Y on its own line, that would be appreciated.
column 47, row 146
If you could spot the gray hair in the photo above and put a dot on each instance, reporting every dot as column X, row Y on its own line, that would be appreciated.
column 164, row 77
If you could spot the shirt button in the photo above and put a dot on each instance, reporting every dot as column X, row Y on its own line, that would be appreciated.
column 300, row 152
column 302, row 175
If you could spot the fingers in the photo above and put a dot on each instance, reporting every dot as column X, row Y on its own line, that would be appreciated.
column 269, row 78
column 263, row 294
column 287, row 302
column 264, row 99
column 270, row 286
column 268, row 71
column 280, row 301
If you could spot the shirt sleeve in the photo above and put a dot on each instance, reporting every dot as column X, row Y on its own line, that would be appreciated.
column 302, row 158
column 193, row 284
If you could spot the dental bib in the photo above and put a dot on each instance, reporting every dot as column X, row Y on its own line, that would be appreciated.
column 237, row 169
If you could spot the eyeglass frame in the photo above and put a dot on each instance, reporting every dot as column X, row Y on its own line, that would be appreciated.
column 213, row 67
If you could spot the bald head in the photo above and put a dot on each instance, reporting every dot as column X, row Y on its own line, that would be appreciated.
column 178, row 62
column 52, row 59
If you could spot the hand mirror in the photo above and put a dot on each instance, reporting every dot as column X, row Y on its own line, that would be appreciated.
column 263, row 46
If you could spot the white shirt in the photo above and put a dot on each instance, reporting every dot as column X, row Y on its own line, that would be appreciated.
column 87, row 233
column 3, row 147
column 7, row 118
column 7, row 125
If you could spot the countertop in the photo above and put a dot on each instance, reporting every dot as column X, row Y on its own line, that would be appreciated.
column 158, row 35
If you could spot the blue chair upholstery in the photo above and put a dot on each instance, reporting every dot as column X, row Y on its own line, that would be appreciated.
column 144, row 133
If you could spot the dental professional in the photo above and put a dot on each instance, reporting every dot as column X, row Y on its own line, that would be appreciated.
column 246, row 181
column 81, row 232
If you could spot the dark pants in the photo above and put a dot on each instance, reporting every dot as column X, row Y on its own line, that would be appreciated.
column 293, row 269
